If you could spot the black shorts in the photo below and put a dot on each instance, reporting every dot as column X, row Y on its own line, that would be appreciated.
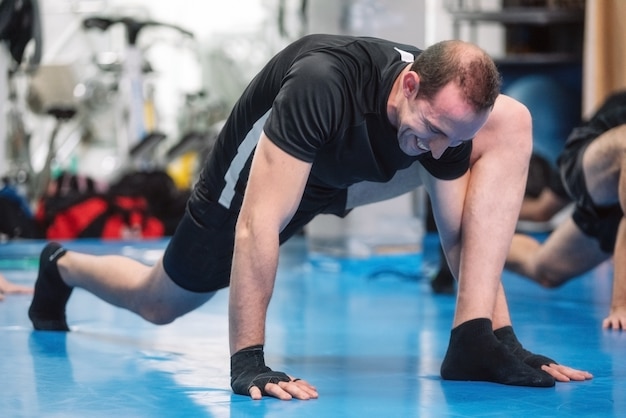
column 199, row 255
column 599, row 222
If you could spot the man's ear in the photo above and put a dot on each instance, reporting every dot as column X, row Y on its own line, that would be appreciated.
column 410, row 84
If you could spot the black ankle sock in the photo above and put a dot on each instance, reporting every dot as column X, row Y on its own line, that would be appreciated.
column 506, row 336
column 475, row 353
column 47, row 310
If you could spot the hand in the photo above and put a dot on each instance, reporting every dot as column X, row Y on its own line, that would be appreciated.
column 296, row 388
column 616, row 319
column 250, row 376
column 565, row 374
column 7, row 287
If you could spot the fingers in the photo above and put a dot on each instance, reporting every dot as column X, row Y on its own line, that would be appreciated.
column 285, row 391
column 16, row 289
column 565, row 374
column 255, row 393
column 20, row 290
column 552, row 371
column 614, row 322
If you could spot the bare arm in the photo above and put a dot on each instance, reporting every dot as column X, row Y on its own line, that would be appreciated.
column 7, row 287
column 274, row 190
column 617, row 316
column 447, row 198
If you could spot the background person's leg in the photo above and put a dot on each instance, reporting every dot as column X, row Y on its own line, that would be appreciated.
column 565, row 254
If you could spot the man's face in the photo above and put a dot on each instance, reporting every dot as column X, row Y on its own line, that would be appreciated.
column 434, row 125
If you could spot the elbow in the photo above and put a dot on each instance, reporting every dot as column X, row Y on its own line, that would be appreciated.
column 254, row 228
column 550, row 280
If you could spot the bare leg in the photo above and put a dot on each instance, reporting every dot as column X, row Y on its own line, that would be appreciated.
column 121, row 281
column 129, row 284
column 567, row 253
column 489, row 210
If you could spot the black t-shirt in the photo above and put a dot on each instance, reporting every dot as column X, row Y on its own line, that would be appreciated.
column 323, row 99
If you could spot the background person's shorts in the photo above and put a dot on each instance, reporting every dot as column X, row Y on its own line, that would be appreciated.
column 600, row 223
column 595, row 221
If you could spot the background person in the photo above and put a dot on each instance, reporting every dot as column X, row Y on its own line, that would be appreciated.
column 593, row 171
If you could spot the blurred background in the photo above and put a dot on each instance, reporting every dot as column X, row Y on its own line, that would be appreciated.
column 117, row 102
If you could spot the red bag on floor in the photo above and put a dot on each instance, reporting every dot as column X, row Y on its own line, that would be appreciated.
column 81, row 212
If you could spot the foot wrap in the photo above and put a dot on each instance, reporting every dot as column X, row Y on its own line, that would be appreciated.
column 475, row 353
column 507, row 337
column 47, row 310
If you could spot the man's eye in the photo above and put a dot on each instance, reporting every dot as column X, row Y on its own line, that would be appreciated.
column 434, row 130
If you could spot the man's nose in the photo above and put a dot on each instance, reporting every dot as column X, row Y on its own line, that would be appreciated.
column 438, row 146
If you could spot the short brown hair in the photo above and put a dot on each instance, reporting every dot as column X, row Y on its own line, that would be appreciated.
column 462, row 62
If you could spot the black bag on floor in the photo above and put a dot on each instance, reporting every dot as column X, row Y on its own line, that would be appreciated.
column 16, row 221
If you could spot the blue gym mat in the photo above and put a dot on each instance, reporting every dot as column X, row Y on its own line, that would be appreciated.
column 371, row 343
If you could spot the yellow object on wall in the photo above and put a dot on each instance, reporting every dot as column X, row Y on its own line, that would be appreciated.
column 183, row 170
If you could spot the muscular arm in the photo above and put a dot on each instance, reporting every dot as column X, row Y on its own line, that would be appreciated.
column 617, row 315
column 274, row 190
column 273, row 193
column 7, row 287
column 447, row 199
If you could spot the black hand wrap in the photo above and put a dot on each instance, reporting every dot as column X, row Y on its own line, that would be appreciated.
column 247, row 369
column 508, row 338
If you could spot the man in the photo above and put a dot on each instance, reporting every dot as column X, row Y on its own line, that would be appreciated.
column 593, row 171
column 330, row 123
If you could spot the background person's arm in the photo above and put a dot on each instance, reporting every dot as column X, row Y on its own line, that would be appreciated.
column 7, row 287
column 617, row 316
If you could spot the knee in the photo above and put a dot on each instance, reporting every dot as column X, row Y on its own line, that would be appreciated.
column 158, row 314
column 519, row 118
column 162, row 309
column 549, row 278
